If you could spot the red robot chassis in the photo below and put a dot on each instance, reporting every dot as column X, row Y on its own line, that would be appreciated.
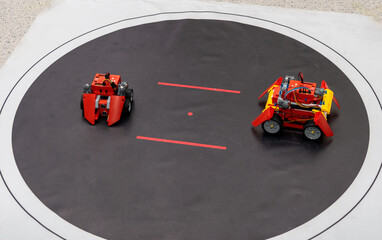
column 297, row 104
column 108, row 97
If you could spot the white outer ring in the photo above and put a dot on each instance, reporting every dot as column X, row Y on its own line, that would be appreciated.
column 52, row 221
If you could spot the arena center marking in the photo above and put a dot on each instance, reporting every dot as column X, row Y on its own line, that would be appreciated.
column 182, row 142
column 198, row 87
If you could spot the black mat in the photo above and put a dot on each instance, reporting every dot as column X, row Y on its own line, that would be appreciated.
column 105, row 181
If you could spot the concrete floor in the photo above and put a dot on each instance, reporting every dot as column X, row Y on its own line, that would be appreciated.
column 17, row 16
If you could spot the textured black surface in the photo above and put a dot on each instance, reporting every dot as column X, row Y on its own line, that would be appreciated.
column 105, row 181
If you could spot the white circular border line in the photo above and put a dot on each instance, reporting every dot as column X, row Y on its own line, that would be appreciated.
column 309, row 230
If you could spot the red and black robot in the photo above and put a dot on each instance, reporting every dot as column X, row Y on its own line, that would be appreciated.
column 108, row 97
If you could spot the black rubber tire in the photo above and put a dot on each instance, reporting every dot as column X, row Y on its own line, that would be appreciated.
column 276, row 118
column 130, row 94
column 311, row 131
column 126, row 111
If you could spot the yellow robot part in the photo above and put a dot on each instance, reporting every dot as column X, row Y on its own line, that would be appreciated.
column 269, row 100
column 327, row 101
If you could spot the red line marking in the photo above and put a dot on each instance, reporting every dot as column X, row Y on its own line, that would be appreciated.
column 182, row 142
column 198, row 87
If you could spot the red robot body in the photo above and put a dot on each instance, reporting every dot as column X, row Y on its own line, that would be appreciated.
column 107, row 96
column 297, row 104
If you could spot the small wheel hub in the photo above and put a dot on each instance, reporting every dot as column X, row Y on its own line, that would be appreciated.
column 271, row 126
column 312, row 133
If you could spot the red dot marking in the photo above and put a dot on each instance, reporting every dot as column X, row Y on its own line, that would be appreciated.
column 190, row 114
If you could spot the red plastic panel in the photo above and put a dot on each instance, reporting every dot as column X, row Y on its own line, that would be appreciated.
column 320, row 121
column 116, row 106
column 89, row 106
column 266, row 115
column 277, row 82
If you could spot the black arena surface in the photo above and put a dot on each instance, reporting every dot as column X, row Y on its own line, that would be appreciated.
column 106, row 181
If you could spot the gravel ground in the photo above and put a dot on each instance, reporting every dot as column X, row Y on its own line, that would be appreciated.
column 16, row 16
column 371, row 8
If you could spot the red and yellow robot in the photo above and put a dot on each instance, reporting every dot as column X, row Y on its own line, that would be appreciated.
column 294, row 103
